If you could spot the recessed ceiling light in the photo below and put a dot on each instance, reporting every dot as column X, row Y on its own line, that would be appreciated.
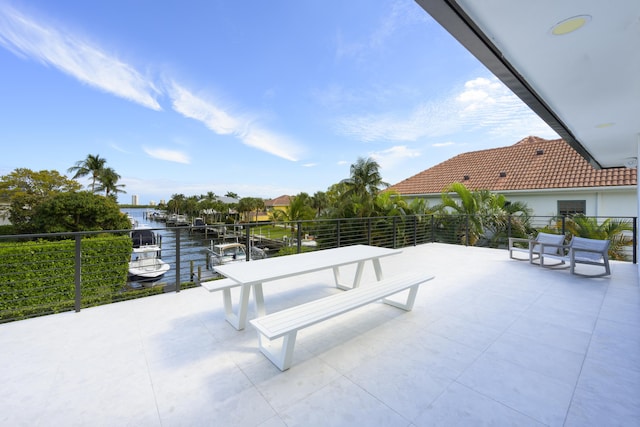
column 605, row 125
column 570, row 25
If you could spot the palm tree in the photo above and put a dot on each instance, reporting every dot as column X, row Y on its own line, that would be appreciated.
column 92, row 165
column 486, row 214
column 232, row 195
column 299, row 209
column 108, row 182
column 363, row 185
column 467, row 205
column 320, row 202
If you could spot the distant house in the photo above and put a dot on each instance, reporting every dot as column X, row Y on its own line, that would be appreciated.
column 548, row 175
column 279, row 203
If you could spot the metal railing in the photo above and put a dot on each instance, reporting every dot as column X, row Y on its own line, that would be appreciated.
column 40, row 274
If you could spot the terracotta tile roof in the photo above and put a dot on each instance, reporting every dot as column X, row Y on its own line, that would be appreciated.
column 283, row 200
column 531, row 164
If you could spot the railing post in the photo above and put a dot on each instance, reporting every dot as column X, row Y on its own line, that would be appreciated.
column 395, row 231
column 433, row 229
column 466, row 234
column 338, row 234
column 508, row 226
column 415, row 230
column 635, row 239
column 178, row 244
column 78, row 271
column 369, row 231
column 299, row 226
column 564, row 220
column 247, row 245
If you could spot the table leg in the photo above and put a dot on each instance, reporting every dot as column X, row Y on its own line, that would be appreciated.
column 377, row 268
column 258, row 295
column 356, row 279
column 239, row 321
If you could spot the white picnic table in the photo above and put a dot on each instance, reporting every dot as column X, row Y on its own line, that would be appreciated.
column 251, row 275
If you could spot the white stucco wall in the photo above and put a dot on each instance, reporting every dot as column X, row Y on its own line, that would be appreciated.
column 602, row 202
column 610, row 202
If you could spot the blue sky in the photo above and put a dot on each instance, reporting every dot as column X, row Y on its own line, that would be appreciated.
column 257, row 98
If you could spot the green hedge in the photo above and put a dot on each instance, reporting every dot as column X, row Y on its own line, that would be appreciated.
column 38, row 277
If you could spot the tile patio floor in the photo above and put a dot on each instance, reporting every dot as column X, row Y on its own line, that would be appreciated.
column 491, row 341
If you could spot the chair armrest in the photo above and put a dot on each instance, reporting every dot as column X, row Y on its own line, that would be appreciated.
column 513, row 240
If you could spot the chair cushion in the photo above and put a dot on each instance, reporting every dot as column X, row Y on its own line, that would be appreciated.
column 601, row 246
column 547, row 238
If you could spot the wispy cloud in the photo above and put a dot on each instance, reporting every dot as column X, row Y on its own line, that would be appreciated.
column 399, row 16
column 394, row 156
column 118, row 148
column 75, row 57
column 481, row 104
column 443, row 144
column 168, row 155
column 219, row 120
column 67, row 52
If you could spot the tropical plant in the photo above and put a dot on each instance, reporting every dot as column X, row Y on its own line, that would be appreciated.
column 92, row 165
column 299, row 209
column 108, row 182
column 249, row 205
column 363, row 186
column 614, row 230
column 482, row 215
column 320, row 202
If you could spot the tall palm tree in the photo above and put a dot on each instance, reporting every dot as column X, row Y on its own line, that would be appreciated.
column 363, row 185
column 108, row 182
column 320, row 202
column 92, row 165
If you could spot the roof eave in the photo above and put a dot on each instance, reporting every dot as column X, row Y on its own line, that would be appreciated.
column 453, row 19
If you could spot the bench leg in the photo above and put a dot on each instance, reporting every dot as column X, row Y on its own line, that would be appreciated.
column 283, row 356
column 408, row 305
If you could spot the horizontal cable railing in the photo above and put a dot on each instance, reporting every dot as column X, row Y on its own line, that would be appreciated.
column 50, row 273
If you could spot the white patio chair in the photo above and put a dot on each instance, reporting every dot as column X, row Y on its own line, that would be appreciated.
column 581, row 251
column 534, row 246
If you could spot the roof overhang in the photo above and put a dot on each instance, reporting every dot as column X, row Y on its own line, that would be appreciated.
column 585, row 85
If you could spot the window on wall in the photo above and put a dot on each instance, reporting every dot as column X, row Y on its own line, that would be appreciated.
column 572, row 207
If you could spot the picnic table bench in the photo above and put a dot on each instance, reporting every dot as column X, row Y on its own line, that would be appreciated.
column 285, row 324
column 251, row 275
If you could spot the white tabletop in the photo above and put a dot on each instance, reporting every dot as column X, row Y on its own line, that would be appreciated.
column 264, row 270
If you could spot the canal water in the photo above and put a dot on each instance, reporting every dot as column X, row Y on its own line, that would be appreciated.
column 193, row 247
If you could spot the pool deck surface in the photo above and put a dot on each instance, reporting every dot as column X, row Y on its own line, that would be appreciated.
column 490, row 342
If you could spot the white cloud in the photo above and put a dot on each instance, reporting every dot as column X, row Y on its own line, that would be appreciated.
column 193, row 107
column 78, row 58
column 310, row 165
column 222, row 122
column 482, row 104
column 391, row 157
column 443, row 144
column 169, row 155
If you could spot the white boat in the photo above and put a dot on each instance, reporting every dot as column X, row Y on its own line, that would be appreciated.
column 146, row 263
column 232, row 252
